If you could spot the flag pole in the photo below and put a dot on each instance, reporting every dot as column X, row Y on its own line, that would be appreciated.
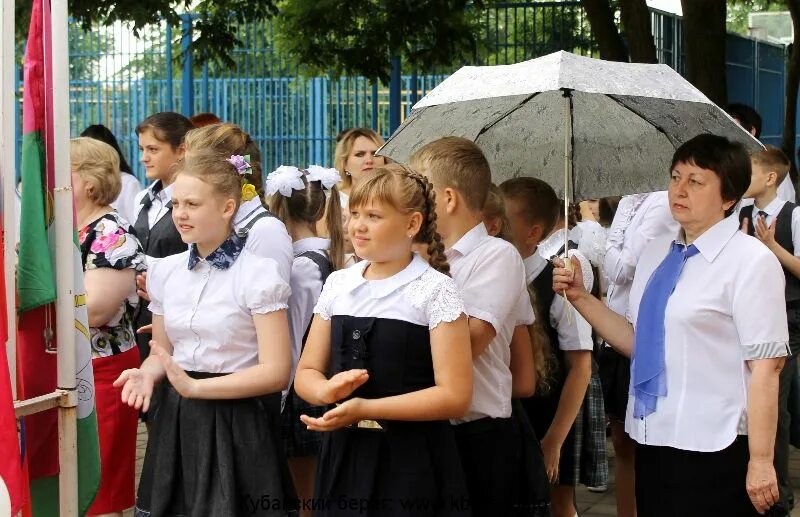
column 65, row 282
column 9, row 177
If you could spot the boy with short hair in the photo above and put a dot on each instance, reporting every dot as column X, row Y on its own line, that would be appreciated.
column 491, row 276
column 568, row 417
column 776, row 223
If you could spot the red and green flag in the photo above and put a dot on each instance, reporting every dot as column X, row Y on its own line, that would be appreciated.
column 36, row 292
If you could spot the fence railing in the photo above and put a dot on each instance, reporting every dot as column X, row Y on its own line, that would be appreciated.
column 117, row 79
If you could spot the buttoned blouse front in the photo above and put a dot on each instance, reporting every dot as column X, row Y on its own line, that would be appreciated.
column 208, row 310
column 726, row 309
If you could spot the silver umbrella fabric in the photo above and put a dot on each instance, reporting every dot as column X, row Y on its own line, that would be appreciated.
column 607, row 128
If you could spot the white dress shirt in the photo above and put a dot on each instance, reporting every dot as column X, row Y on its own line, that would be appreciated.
column 490, row 274
column 574, row 332
column 418, row 294
column 772, row 210
column 306, row 284
column 159, row 207
column 640, row 218
column 125, row 204
column 267, row 238
column 721, row 314
column 786, row 190
column 208, row 311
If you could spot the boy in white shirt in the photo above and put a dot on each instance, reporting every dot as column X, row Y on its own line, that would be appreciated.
column 776, row 223
column 490, row 274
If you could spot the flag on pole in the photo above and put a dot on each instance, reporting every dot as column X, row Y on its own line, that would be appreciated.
column 36, row 288
column 10, row 457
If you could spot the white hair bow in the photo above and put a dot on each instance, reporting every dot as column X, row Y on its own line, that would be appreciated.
column 285, row 179
column 328, row 177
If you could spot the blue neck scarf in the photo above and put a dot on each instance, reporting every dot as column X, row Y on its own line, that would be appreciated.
column 649, row 371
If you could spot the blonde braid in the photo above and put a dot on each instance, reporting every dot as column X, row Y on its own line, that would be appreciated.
column 427, row 233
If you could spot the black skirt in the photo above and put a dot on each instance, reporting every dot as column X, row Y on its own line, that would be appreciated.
column 672, row 482
column 406, row 468
column 215, row 457
column 298, row 441
column 615, row 376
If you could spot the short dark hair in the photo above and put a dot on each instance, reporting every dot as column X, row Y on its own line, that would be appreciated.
column 747, row 117
column 728, row 159
column 102, row 133
column 540, row 202
column 166, row 126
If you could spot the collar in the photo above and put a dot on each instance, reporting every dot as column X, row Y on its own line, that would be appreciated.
column 157, row 190
column 221, row 258
column 772, row 208
column 247, row 210
column 469, row 241
column 534, row 265
column 713, row 240
column 310, row 244
column 381, row 288
column 551, row 245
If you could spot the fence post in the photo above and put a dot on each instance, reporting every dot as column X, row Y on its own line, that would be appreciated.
column 395, row 87
column 187, row 81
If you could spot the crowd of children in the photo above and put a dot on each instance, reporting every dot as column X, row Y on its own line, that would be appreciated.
column 404, row 339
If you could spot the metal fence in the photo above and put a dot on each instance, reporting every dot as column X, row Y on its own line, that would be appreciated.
column 118, row 79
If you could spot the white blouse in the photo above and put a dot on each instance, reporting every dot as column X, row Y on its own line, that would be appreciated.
column 306, row 283
column 727, row 309
column 640, row 218
column 208, row 311
column 267, row 238
column 418, row 294
column 125, row 204
column 490, row 274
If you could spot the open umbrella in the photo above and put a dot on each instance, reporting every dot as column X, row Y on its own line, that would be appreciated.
column 589, row 128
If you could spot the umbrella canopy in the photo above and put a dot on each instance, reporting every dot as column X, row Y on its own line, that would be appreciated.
column 609, row 128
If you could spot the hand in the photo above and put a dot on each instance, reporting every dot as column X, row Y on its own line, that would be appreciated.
column 145, row 329
column 762, row 485
column 551, row 449
column 183, row 384
column 344, row 414
column 745, row 224
column 342, row 385
column 569, row 282
column 137, row 388
column 764, row 233
column 141, row 286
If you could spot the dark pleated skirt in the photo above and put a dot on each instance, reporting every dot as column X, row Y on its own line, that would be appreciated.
column 532, row 498
column 215, row 457
column 409, row 468
column 298, row 441
column 673, row 482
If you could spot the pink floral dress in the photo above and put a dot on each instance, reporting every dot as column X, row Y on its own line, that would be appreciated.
column 110, row 242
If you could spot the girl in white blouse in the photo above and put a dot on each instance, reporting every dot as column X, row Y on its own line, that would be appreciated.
column 298, row 198
column 707, row 346
column 221, row 341
column 390, row 347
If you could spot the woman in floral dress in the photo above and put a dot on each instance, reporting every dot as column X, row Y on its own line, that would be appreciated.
column 111, row 255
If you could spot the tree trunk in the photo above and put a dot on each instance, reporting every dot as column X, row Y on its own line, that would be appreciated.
column 792, row 83
column 705, row 40
column 604, row 30
column 638, row 29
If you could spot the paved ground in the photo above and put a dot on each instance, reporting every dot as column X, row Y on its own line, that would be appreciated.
column 589, row 504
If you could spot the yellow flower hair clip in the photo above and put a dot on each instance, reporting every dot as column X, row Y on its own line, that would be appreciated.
column 248, row 192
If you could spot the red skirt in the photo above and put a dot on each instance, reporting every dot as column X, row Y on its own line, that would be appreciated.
column 117, row 425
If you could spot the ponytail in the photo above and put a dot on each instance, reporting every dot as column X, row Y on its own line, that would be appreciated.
column 333, row 216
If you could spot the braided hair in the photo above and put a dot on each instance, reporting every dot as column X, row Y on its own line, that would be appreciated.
column 407, row 191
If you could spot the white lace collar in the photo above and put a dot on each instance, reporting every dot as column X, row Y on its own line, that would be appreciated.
column 386, row 286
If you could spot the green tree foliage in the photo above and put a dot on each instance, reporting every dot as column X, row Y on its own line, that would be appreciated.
column 349, row 37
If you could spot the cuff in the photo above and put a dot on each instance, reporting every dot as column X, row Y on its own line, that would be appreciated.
column 767, row 350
